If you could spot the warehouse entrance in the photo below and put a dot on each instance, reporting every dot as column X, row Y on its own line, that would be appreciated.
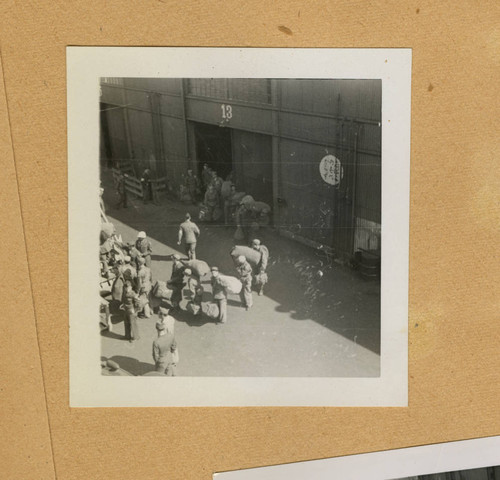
column 253, row 164
column 247, row 155
column 213, row 147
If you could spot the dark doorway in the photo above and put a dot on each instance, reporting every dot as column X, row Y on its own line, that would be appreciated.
column 253, row 164
column 213, row 147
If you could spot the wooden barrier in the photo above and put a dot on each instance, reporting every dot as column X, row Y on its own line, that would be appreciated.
column 159, row 186
column 132, row 184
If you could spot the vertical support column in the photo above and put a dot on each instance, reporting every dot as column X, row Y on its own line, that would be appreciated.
column 354, row 185
column 191, row 147
column 126, row 123
column 155, row 128
column 276, row 103
column 184, row 118
column 161, row 161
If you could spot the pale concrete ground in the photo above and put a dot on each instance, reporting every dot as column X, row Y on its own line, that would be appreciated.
column 335, row 332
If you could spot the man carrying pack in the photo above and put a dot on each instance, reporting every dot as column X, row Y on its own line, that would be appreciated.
column 177, row 281
column 219, row 293
column 260, row 269
column 245, row 276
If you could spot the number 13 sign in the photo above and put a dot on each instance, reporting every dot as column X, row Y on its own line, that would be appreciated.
column 227, row 111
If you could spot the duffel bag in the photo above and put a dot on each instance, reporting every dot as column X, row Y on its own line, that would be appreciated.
column 160, row 290
column 231, row 284
column 198, row 267
column 261, row 208
column 252, row 256
column 107, row 231
column 211, row 310
column 247, row 200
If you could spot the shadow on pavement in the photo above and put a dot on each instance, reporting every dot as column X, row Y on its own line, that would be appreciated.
column 108, row 334
column 301, row 280
column 132, row 365
column 192, row 320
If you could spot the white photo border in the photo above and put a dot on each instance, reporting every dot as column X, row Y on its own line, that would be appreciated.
column 85, row 66
column 387, row 465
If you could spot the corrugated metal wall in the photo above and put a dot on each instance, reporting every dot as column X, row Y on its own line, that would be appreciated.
column 116, row 130
column 302, row 191
column 341, row 118
column 308, row 120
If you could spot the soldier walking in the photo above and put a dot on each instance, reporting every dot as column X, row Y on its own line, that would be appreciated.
column 190, row 231
column 165, row 318
column 165, row 354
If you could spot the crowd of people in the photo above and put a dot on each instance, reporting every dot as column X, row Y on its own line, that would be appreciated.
column 220, row 200
column 129, row 292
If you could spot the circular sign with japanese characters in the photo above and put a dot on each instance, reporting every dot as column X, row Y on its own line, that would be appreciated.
column 331, row 170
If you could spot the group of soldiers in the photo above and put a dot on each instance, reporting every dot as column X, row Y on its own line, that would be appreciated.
column 221, row 199
column 189, row 272
column 127, row 268
column 212, row 191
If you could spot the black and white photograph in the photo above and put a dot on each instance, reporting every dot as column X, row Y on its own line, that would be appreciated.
column 242, row 246
column 475, row 459
column 483, row 473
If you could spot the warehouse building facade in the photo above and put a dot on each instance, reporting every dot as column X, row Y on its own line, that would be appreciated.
column 309, row 148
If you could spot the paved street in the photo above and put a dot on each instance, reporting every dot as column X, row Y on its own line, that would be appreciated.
column 306, row 325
